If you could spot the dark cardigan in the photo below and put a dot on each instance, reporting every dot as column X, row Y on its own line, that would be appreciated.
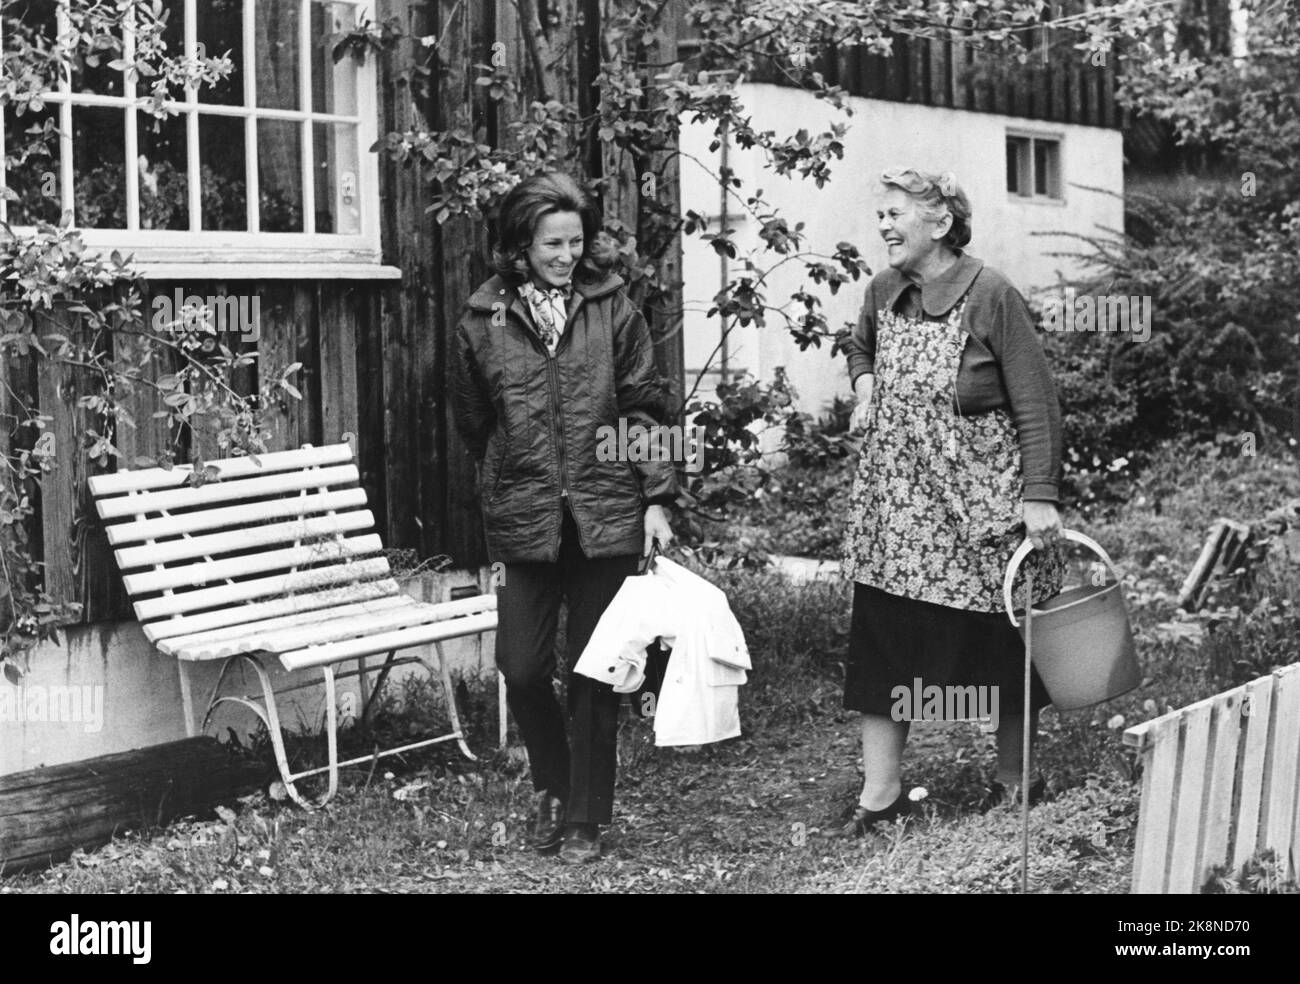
column 1002, row 364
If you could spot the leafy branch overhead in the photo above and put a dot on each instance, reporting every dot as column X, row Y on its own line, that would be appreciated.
column 646, row 97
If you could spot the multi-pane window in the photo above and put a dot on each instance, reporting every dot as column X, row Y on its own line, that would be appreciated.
column 1034, row 166
column 271, row 163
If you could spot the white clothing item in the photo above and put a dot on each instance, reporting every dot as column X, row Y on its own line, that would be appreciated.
column 615, row 653
column 699, row 700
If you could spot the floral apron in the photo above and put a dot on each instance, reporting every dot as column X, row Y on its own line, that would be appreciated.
column 935, row 511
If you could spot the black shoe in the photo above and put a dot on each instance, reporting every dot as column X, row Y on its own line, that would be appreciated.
column 996, row 794
column 581, row 844
column 860, row 820
column 548, row 829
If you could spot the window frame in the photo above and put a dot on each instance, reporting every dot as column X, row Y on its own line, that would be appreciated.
column 1027, row 168
column 162, row 251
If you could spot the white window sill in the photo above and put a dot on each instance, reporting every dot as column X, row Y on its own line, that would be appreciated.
column 1034, row 199
column 164, row 270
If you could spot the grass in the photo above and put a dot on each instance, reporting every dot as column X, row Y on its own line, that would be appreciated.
column 747, row 815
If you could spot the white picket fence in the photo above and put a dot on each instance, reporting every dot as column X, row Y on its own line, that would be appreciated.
column 1220, row 781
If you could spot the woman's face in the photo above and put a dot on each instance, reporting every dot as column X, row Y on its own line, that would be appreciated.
column 909, row 236
column 556, row 247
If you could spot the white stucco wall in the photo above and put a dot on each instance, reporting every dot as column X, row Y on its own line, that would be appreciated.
column 135, row 690
column 884, row 134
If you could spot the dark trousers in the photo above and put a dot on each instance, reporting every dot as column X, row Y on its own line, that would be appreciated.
column 528, row 609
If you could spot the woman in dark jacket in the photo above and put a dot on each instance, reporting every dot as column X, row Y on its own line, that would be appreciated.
column 961, row 461
column 549, row 354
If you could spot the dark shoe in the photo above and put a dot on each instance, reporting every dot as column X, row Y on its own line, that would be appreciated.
column 581, row 844
column 548, row 830
column 997, row 794
column 860, row 820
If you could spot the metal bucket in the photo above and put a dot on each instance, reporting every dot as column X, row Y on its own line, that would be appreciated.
column 1082, row 640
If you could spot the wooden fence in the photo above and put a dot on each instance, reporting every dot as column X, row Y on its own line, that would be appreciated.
column 1220, row 782
column 1059, row 84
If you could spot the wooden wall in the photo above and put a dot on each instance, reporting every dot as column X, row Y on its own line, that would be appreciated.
column 1065, row 87
column 330, row 327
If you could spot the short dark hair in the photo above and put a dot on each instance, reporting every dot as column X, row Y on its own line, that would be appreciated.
column 521, row 210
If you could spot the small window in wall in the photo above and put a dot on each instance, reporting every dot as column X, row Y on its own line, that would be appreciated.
column 1034, row 166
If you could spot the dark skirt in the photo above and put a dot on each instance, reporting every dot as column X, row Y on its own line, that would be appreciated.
column 896, row 642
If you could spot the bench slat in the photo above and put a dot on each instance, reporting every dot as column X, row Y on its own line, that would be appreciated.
column 183, row 646
column 310, row 601
column 210, row 493
column 467, row 606
column 262, row 587
column 367, row 622
column 339, row 630
column 333, row 652
column 234, row 516
column 144, row 479
column 228, row 541
column 205, row 572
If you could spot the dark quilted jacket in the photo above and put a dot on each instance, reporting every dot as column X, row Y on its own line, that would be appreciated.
column 531, row 420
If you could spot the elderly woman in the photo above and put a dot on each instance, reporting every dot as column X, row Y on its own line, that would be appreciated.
column 960, row 462
column 549, row 352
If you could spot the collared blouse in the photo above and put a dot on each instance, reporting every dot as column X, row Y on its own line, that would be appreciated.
column 1002, row 364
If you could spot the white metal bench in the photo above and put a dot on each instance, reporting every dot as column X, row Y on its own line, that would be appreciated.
column 270, row 556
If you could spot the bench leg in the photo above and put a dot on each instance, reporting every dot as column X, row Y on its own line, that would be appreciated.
column 444, row 671
column 269, row 716
column 187, row 698
column 332, row 727
column 363, row 682
column 503, row 725
column 369, row 702
column 214, row 698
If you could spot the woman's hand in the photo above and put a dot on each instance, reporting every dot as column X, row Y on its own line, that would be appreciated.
column 1042, row 523
column 658, row 528
column 862, row 390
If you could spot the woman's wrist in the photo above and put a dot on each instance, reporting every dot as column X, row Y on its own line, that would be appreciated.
column 862, row 387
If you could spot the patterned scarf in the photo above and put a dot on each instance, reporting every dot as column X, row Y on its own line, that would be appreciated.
column 550, row 310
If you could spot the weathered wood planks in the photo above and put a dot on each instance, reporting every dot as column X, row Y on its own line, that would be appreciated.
column 1220, row 782
column 46, row 814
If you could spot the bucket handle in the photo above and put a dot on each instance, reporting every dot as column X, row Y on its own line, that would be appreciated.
column 1022, row 552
